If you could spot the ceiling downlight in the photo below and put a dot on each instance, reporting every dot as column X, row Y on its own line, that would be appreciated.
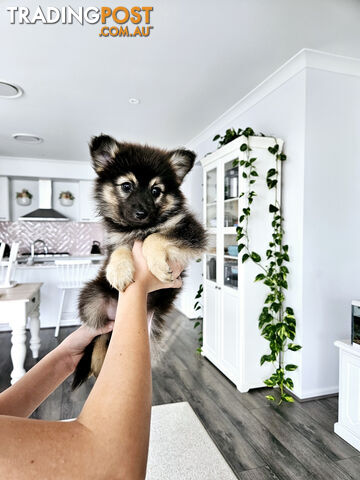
column 27, row 138
column 9, row 90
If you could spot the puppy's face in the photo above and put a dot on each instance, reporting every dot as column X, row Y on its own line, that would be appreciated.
column 137, row 185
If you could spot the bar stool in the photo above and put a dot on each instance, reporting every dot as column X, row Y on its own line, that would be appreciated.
column 72, row 275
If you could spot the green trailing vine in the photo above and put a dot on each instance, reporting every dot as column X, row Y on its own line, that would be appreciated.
column 276, row 322
column 198, row 321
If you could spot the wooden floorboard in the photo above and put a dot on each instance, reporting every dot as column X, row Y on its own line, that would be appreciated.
column 260, row 441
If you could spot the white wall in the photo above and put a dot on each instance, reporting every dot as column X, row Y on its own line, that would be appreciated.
column 45, row 168
column 192, row 189
column 331, row 222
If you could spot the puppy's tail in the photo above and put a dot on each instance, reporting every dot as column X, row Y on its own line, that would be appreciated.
column 83, row 369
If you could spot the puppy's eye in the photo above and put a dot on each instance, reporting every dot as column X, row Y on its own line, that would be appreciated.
column 155, row 192
column 126, row 187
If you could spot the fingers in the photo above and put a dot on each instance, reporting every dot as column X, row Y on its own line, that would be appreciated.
column 176, row 268
column 177, row 283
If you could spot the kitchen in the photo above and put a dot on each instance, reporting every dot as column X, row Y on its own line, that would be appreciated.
column 51, row 220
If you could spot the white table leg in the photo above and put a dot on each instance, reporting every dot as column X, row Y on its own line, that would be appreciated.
column 18, row 351
column 34, row 330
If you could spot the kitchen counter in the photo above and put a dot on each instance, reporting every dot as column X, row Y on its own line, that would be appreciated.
column 47, row 274
column 50, row 263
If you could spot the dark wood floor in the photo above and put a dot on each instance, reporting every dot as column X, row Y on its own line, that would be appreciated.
column 260, row 441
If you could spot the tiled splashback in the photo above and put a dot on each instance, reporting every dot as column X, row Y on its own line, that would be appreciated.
column 73, row 237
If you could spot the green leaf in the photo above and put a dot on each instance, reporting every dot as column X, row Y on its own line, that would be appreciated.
column 273, row 208
column 293, row 347
column 259, row 277
column 287, row 398
column 289, row 383
column 235, row 162
column 196, row 324
column 255, row 257
column 242, row 162
column 216, row 137
column 243, row 147
column 269, row 383
column 240, row 247
column 254, row 173
column 290, row 367
column 271, row 172
column 265, row 358
column 245, row 257
column 270, row 397
column 244, row 175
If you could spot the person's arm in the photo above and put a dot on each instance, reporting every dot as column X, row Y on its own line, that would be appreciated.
column 22, row 398
column 110, row 438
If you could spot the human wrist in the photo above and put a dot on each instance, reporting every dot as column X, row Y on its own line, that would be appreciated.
column 64, row 357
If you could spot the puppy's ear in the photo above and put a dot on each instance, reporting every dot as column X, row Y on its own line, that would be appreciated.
column 103, row 150
column 182, row 162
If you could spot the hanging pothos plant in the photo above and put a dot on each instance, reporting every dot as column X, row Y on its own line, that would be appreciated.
column 276, row 321
column 198, row 321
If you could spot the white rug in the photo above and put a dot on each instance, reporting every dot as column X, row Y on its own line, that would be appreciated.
column 181, row 449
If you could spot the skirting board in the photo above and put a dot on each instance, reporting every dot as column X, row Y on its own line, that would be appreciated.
column 315, row 394
column 347, row 435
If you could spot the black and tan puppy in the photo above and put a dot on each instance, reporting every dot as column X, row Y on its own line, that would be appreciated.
column 138, row 196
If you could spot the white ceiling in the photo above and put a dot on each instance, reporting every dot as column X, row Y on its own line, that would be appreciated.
column 201, row 57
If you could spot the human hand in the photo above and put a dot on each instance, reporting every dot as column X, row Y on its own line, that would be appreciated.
column 74, row 345
column 146, row 279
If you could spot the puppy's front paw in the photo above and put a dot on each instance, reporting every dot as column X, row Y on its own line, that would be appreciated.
column 120, row 269
column 160, row 269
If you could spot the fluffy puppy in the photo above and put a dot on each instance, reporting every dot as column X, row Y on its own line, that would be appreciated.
column 138, row 196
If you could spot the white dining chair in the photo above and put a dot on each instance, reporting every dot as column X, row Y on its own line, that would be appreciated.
column 72, row 274
column 7, row 267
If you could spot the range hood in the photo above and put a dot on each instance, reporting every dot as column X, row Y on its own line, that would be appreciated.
column 45, row 213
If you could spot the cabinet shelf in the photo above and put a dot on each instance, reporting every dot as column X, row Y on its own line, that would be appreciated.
column 229, row 200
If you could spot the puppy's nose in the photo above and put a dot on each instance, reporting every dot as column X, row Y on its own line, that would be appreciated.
column 141, row 214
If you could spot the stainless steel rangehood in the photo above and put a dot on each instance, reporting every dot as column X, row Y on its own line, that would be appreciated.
column 45, row 213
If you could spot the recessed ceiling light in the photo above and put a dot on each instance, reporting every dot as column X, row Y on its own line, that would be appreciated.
column 134, row 101
column 27, row 138
column 8, row 90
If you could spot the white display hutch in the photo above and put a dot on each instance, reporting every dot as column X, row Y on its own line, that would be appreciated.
column 232, row 300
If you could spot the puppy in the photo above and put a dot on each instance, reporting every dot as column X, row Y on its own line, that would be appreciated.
column 138, row 196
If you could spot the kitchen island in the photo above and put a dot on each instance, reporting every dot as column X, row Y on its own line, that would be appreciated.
column 47, row 274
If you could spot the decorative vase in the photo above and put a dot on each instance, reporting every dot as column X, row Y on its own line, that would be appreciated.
column 23, row 201
column 66, row 202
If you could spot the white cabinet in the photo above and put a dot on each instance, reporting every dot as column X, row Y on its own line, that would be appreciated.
column 87, row 203
column 232, row 300
column 4, row 199
column 348, row 425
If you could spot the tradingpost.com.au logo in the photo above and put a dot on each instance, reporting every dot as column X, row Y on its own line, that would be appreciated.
column 125, row 22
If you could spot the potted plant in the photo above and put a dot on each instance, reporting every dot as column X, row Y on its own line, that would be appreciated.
column 24, row 197
column 66, row 198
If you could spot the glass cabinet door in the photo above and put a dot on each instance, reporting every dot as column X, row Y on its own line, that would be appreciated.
column 211, row 258
column 231, row 217
column 211, row 191
column 231, row 194
column 211, row 223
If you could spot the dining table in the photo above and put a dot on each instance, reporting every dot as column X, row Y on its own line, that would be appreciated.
column 20, row 307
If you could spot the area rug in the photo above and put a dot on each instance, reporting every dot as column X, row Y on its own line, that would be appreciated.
column 181, row 449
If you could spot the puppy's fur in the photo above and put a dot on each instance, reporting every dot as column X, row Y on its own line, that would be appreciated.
column 137, row 193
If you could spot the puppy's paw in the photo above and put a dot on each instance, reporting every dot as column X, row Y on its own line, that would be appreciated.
column 120, row 269
column 159, row 267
